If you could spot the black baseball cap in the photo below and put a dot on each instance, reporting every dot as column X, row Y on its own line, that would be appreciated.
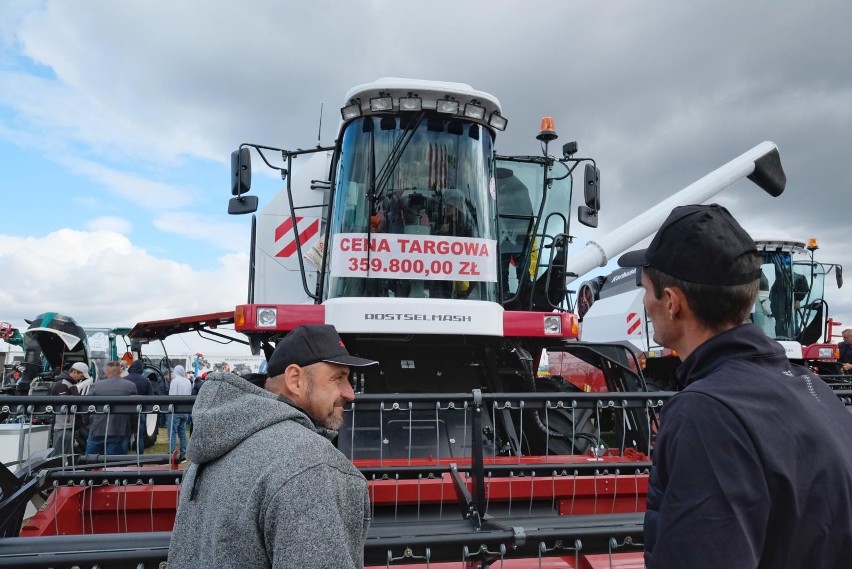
column 697, row 244
column 310, row 344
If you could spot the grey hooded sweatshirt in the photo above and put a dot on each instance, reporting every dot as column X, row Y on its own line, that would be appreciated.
column 265, row 487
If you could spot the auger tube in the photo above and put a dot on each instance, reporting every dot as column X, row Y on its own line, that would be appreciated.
column 761, row 164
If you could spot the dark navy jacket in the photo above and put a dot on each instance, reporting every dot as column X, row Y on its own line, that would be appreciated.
column 753, row 464
column 845, row 353
column 143, row 386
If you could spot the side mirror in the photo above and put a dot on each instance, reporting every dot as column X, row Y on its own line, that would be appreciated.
column 587, row 216
column 591, row 187
column 242, row 204
column 240, row 172
column 838, row 273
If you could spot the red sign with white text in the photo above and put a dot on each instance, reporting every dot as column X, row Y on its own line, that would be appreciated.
column 394, row 256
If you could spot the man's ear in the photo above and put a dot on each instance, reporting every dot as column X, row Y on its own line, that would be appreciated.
column 292, row 383
column 676, row 302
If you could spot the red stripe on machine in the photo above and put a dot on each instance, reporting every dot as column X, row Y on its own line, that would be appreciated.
column 290, row 246
column 633, row 322
column 285, row 226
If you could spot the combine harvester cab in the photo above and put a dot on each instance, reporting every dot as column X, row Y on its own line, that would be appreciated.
column 449, row 265
column 791, row 306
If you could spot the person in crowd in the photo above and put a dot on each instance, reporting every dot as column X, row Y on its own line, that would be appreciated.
column 196, row 387
column 109, row 433
column 845, row 346
column 64, row 425
column 752, row 465
column 306, row 505
column 162, row 388
column 199, row 381
column 143, row 387
column 180, row 385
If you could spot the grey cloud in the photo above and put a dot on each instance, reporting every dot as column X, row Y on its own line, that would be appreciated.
column 659, row 93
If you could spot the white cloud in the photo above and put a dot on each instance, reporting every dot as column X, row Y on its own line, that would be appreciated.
column 101, row 279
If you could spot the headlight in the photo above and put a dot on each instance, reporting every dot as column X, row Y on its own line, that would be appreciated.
column 474, row 111
column 379, row 104
column 267, row 317
column 552, row 325
column 447, row 106
column 498, row 121
column 826, row 353
column 351, row 111
column 410, row 103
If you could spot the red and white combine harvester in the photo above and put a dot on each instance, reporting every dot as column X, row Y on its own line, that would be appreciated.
column 790, row 308
column 448, row 264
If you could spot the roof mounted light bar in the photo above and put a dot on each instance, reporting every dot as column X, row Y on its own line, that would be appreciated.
column 386, row 102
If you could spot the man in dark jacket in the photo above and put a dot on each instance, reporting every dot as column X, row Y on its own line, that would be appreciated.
column 845, row 347
column 298, row 502
column 753, row 459
column 143, row 387
column 109, row 433
column 199, row 381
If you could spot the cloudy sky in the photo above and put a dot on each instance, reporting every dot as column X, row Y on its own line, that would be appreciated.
column 117, row 120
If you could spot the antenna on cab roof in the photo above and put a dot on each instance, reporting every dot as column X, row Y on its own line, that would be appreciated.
column 319, row 130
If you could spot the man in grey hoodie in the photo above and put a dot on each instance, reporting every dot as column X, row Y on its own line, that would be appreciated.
column 266, row 488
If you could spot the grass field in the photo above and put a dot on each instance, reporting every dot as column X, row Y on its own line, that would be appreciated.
column 162, row 444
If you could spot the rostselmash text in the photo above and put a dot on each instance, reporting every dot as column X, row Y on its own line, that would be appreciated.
column 424, row 317
column 624, row 275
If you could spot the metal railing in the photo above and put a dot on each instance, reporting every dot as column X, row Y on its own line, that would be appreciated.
column 500, row 501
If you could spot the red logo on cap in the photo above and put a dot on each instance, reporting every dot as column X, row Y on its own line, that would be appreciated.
column 342, row 345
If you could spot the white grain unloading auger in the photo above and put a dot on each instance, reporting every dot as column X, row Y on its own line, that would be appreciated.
column 790, row 307
column 448, row 264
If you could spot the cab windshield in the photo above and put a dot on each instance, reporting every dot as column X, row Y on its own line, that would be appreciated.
column 414, row 210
